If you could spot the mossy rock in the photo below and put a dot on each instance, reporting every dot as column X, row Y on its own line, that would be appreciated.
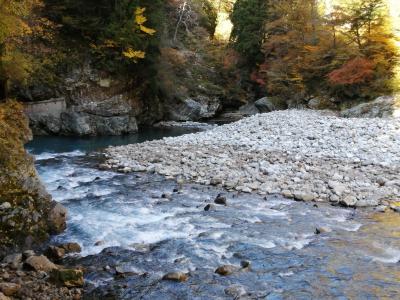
column 67, row 277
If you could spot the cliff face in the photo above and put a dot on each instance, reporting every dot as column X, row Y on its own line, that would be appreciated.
column 187, row 82
column 27, row 212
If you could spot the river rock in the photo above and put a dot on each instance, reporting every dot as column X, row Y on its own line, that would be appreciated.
column 320, row 230
column 55, row 253
column 57, row 218
column 221, row 200
column 4, row 297
column 67, row 277
column 236, row 291
column 176, row 276
column 226, row 270
column 348, row 201
column 13, row 260
column 9, row 289
column 40, row 263
column 245, row 263
column 71, row 247
column 210, row 207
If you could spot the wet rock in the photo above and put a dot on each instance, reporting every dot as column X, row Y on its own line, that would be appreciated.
column 176, row 276
column 348, row 201
column 40, row 263
column 381, row 208
column 99, row 243
column 235, row 291
column 125, row 270
column 71, row 247
column 9, row 289
column 321, row 230
column 226, row 270
column 55, row 253
column 245, row 263
column 57, row 218
column 221, row 200
column 166, row 196
column 5, row 206
column 210, row 207
column 67, row 277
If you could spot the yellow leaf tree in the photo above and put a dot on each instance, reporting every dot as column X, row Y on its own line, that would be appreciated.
column 14, row 27
column 140, row 19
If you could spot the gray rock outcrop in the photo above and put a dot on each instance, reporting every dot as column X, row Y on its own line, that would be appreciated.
column 382, row 107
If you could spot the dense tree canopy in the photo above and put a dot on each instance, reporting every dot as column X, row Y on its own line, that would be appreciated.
column 345, row 51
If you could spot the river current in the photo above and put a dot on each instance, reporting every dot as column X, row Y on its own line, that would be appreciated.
column 135, row 228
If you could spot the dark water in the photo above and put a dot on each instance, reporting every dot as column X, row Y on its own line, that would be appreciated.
column 124, row 222
column 49, row 144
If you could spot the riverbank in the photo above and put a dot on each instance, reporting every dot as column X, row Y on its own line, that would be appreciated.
column 305, row 155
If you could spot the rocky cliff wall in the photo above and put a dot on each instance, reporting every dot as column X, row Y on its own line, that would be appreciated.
column 27, row 212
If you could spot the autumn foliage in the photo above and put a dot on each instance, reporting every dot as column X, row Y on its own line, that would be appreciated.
column 357, row 70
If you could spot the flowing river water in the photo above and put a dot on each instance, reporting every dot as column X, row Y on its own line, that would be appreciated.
column 135, row 228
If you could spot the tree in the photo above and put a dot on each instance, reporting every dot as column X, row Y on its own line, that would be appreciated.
column 248, row 18
column 15, row 64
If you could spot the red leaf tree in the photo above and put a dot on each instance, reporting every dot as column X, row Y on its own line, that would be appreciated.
column 357, row 70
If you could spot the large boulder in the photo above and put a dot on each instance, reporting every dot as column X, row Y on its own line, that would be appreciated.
column 187, row 110
column 265, row 105
column 382, row 107
column 249, row 109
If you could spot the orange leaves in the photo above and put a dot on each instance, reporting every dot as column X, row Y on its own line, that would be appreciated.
column 357, row 70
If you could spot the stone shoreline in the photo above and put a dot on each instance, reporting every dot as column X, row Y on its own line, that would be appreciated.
column 301, row 154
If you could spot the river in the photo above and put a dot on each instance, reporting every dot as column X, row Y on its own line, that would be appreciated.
column 135, row 228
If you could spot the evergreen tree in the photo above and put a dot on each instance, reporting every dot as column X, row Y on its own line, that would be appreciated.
column 248, row 18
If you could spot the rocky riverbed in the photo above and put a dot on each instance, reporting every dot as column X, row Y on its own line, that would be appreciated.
column 305, row 155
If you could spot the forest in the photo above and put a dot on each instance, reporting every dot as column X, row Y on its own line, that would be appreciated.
column 341, row 50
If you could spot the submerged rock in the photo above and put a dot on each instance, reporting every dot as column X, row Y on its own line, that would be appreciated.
column 176, row 276
column 226, row 270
